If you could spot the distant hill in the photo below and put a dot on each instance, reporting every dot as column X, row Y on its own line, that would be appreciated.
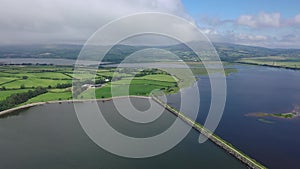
column 40, row 51
column 232, row 52
column 226, row 51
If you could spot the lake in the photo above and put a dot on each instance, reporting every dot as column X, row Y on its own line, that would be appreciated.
column 258, row 89
column 50, row 136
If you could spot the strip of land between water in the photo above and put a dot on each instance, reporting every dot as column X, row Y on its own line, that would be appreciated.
column 250, row 162
column 269, row 65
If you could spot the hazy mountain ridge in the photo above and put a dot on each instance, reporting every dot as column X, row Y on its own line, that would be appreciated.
column 226, row 51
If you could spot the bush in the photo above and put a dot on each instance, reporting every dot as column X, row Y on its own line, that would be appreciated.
column 25, row 77
column 22, row 86
column 62, row 86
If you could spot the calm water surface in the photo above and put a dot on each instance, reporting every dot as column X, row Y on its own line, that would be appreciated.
column 258, row 89
column 50, row 136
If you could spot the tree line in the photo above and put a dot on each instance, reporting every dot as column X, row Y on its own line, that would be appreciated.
column 18, row 98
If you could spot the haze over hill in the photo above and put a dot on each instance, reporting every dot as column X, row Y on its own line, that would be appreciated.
column 226, row 51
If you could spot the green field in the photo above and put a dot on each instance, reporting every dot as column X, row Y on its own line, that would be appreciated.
column 159, row 77
column 21, row 79
column 34, row 82
column 12, row 77
column 112, row 73
column 18, row 79
column 51, row 97
column 55, row 75
column 6, row 93
column 136, row 81
column 136, row 86
column 144, row 85
column 6, row 80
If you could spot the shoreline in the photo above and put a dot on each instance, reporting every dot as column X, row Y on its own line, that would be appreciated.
column 266, row 65
column 226, row 146
column 4, row 112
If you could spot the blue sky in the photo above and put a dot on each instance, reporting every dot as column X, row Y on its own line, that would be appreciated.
column 230, row 9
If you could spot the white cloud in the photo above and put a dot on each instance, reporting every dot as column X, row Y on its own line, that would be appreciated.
column 37, row 21
column 209, row 32
column 247, row 37
column 260, row 20
column 293, row 22
column 256, row 21
column 297, row 18
column 262, row 29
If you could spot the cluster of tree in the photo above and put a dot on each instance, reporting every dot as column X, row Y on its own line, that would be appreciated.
column 79, row 86
column 22, row 86
column 43, row 70
column 25, row 64
column 150, row 72
column 54, row 78
column 19, row 98
column 62, row 86
column 100, row 81
column 125, row 70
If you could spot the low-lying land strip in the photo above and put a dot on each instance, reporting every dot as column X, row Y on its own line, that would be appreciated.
column 272, row 61
column 214, row 138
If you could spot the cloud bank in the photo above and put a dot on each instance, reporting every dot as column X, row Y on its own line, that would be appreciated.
column 69, row 21
column 59, row 21
column 260, row 20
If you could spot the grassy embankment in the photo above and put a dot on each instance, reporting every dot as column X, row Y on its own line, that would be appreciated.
column 250, row 162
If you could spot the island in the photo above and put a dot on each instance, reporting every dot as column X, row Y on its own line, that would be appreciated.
column 294, row 113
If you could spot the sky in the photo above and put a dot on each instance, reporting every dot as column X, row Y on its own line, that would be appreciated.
column 256, row 22
column 274, row 24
